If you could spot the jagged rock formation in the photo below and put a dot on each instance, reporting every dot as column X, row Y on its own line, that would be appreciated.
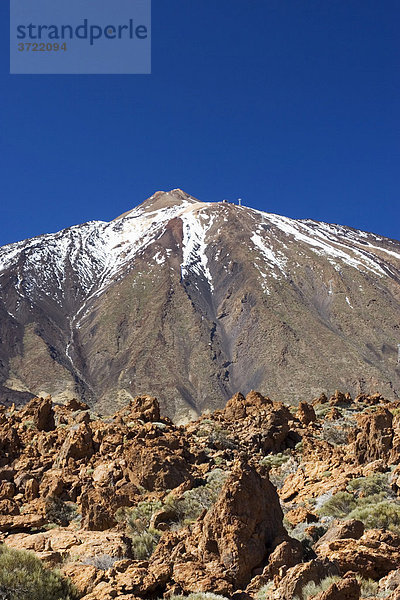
column 191, row 301
column 82, row 492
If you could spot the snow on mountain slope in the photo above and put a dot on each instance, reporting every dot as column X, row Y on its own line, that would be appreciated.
column 98, row 251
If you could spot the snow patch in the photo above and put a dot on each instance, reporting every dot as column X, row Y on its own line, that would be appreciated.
column 194, row 257
column 267, row 253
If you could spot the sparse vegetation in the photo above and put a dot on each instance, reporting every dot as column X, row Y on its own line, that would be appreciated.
column 369, row 588
column 368, row 499
column 274, row 460
column 279, row 474
column 263, row 592
column 23, row 577
column 337, row 432
column 338, row 506
column 311, row 589
column 384, row 515
column 191, row 504
column 217, row 437
column 60, row 512
column 178, row 513
column 144, row 538
column 373, row 485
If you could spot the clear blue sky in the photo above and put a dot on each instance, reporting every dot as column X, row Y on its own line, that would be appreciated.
column 292, row 105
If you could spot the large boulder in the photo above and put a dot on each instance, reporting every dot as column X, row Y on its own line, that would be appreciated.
column 242, row 527
column 306, row 413
column 40, row 411
column 374, row 555
column 342, row 530
column 221, row 551
column 239, row 407
column 294, row 580
column 78, row 444
column 73, row 546
column 375, row 436
column 145, row 408
column 157, row 460
column 99, row 505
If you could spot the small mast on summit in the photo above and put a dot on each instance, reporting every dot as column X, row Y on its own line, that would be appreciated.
column 225, row 201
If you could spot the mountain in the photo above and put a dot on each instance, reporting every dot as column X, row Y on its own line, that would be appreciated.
column 191, row 301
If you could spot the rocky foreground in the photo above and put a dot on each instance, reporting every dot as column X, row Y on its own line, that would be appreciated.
column 254, row 501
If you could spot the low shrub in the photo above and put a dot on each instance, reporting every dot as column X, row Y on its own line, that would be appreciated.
column 336, row 433
column 144, row 544
column 369, row 588
column 384, row 515
column 101, row 561
column 144, row 539
column 373, row 485
column 338, row 506
column 278, row 474
column 274, row 460
column 60, row 512
column 217, row 437
column 368, row 499
column 23, row 577
column 264, row 592
column 311, row 588
column 193, row 502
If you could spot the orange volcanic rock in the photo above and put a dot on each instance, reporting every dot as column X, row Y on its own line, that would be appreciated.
column 375, row 436
column 239, row 407
column 373, row 556
column 204, row 495
column 306, row 413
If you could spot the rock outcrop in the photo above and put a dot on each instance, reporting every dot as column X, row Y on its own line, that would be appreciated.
column 134, row 507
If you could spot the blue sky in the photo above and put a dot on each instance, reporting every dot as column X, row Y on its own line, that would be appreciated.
column 292, row 105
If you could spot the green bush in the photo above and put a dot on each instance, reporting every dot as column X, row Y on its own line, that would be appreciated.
column 373, row 485
column 369, row 588
column 23, row 577
column 144, row 544
column 216, row 436
column 311, row 588
column 60, row 512
column 384, row 515
column 144, row 538
column 274, row 460
column 193, row 502
column 336, row 433
column 264, row 592
column 368, row 499
column 339, row 506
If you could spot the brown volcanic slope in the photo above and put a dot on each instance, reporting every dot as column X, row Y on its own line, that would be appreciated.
column 190, row 301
